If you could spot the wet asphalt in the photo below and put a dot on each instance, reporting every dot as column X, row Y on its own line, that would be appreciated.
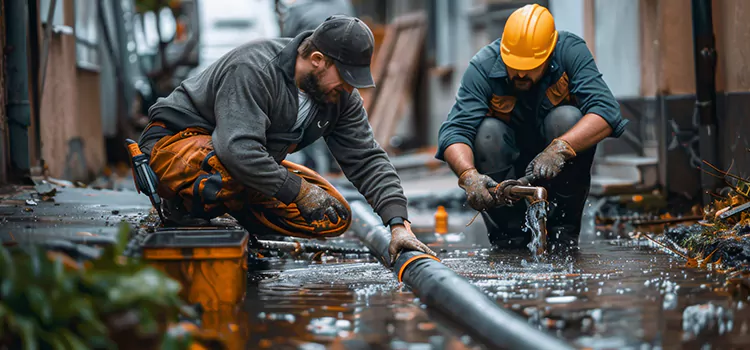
column 614, row 293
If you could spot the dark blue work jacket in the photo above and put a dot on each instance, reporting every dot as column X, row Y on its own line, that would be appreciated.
column 486, row 92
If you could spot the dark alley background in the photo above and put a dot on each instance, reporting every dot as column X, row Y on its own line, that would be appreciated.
column 78, row 77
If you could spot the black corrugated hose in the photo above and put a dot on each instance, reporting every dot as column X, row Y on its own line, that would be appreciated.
column 443, row 290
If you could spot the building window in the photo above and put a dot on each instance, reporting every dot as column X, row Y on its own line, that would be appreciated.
column 87, row 36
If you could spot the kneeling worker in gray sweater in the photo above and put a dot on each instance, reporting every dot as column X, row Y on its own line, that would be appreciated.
column 218, row 141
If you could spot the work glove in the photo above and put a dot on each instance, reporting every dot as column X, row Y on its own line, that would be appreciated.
column 478, row 187
column 314, row 204
column 403, row 239
column 549, row 163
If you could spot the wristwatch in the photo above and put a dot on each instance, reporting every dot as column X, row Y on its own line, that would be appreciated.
column 397, row 220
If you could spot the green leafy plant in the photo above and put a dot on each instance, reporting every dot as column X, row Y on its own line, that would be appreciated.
column 44, row 304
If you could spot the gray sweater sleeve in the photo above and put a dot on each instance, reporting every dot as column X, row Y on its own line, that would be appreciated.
column 365, row 163
column 239, row 138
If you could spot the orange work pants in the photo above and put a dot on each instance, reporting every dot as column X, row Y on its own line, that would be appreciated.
column 188, row 169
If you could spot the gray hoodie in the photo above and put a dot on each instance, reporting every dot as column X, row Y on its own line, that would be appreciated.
column 248, row 100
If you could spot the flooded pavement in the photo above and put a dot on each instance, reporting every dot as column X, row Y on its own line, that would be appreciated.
column 611, row 294
column 25, row 215
column 351, row 304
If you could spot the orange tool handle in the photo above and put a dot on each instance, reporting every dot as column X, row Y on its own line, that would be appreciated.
column 133, row 148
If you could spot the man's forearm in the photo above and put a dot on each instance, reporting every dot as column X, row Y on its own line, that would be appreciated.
column 459, row 157
column 589, row 131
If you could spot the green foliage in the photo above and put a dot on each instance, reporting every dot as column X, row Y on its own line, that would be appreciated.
column 45, row 305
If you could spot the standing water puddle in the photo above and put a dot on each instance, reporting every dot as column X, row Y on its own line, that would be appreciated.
column 610, row 294
column 356, row 305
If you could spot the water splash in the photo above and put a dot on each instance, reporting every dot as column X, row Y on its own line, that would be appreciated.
column 536, row 222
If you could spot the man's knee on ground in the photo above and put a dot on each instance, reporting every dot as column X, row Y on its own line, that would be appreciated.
column 494, row 148
column 560, row 120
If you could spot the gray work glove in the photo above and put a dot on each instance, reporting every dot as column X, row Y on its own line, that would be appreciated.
column 549, row 163
column 478, row 189
column 315, row 204
column 402, row 238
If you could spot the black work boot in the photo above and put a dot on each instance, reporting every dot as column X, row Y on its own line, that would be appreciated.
column 568, row 191
column 505, row 226
column 565, row 214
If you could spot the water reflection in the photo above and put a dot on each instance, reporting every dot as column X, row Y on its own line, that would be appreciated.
column 344, row 305
column 609, row 294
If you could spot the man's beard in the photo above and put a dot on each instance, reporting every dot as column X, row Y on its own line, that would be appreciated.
column 525, row 83
column 310, row 84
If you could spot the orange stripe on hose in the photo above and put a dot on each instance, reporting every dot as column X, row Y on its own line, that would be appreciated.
column 412, row 259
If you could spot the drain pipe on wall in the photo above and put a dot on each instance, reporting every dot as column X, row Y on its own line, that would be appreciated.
column 447, row 292
column 704, row 47
column 18, row 106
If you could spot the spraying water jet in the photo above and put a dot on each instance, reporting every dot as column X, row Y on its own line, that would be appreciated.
column 536, row 214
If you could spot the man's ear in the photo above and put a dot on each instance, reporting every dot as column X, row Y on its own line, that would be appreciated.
column 318, row 59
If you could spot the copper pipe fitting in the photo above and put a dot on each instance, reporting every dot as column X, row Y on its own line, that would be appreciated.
column 535, row 194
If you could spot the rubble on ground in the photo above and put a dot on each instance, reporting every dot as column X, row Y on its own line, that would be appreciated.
column 717, row 238
column 723, row 236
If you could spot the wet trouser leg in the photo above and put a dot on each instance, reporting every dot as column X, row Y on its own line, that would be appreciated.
column 498, row 153
column 568, row 191
column 189, row 171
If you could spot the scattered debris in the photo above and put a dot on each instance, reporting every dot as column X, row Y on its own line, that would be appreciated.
column 31, row 202
column 60, row 182
column 722, row 237
column 45, row 189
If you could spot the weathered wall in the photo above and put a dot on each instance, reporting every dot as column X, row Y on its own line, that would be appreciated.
column 648, row 14
column 668, row 69
column 58, row 113
column 588, row 25
column 733, row 46
column 674, row 31
column 90, row 121
column 667, row 45
column 734, row 29
column 72, row 141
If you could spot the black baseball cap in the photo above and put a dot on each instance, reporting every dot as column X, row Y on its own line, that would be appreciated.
column 349, row 43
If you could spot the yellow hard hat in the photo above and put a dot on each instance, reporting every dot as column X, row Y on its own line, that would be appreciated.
column 529, row 38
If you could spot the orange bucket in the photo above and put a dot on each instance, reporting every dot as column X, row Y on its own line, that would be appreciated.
column 211, row 264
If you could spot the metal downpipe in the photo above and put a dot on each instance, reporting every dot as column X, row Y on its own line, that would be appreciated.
column 35, row 146
column 17, row 84
column 441, row 289
column 704, row 47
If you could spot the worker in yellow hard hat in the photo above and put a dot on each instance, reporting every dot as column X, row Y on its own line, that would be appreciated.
column 530, row 103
